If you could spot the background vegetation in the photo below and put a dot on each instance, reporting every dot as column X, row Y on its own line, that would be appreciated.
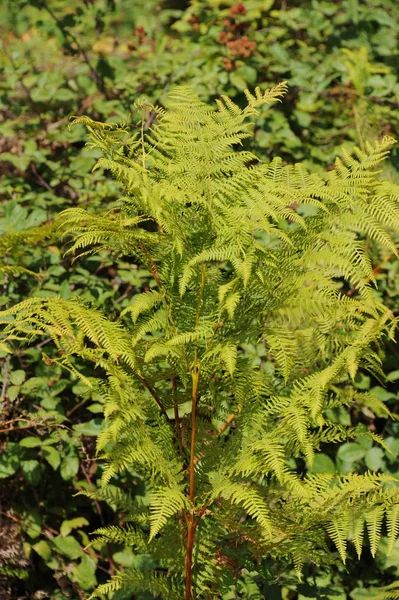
column 97, row 57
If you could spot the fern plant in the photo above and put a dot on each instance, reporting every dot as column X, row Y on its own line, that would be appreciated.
column 241, row 253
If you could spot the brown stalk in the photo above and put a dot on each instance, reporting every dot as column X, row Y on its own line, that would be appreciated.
column 191, row 521
column 229, row 420
column 153, row 394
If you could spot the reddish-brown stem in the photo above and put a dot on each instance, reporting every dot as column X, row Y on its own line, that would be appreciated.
column 153, row 394
column 30, row 424
column 155, row 274
column 78, row 405
column 229, row 420
column 189, row 557
column 191, row 521
column 193, row 432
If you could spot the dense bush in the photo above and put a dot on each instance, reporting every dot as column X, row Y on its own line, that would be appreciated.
column 61, row 59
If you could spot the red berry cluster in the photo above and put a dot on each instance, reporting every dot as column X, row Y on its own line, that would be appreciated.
column 193, row 20
column 242, row 47
column 139, row 35
column 239, row 9
column 225, row 37
column 238, row 44
column 228, row 64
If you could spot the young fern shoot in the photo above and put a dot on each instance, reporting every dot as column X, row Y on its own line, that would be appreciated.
column 215, row 438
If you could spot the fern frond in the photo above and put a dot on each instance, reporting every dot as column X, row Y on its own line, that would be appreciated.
column 374, row 520
column 392, row 518
column 164, row 503
column 226, row 374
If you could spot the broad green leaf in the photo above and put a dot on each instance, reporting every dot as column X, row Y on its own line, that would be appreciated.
column 322, row 464
column 393, row 444
column 393, row 376
column 351, row 452
column 374, row 459
column 31, row 471
column 12, row 392
column 68, row 546
column 69, row 467
column 124, row 558
column 30, row 442
column 17, row 377
column 8, row 464
column 52, row 456
column 85, row 573
column 382, row 394
column 43, row 549
column 90, row 428
column 96, row 407
column 67, row 526
column 32, row 523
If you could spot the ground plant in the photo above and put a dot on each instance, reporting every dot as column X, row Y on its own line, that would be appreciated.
column 241, row 252
column 105, row 59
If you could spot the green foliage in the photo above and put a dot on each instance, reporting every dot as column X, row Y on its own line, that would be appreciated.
column 234, row 263
column 340, row 60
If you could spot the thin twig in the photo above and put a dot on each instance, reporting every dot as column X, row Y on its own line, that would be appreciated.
column 78, row 405
column 97, row 76
column 16, row 420
column 338, row 91
column 40, row 178
column 153, row 394
column 31, row 424
column 124, row 295
column 229, row 420
column 8, row 516
column 43, row 343
column 8, row 429
column 5, row 380
column 100, row 514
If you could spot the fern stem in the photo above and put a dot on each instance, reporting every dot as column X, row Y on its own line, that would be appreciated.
column 229, row 420
column 193, row 426
column 177, row 418
column 195, row 380
column 191, row 523
column 153, row 394
column 358, row 126
column 142, row 142
column 155, row 274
